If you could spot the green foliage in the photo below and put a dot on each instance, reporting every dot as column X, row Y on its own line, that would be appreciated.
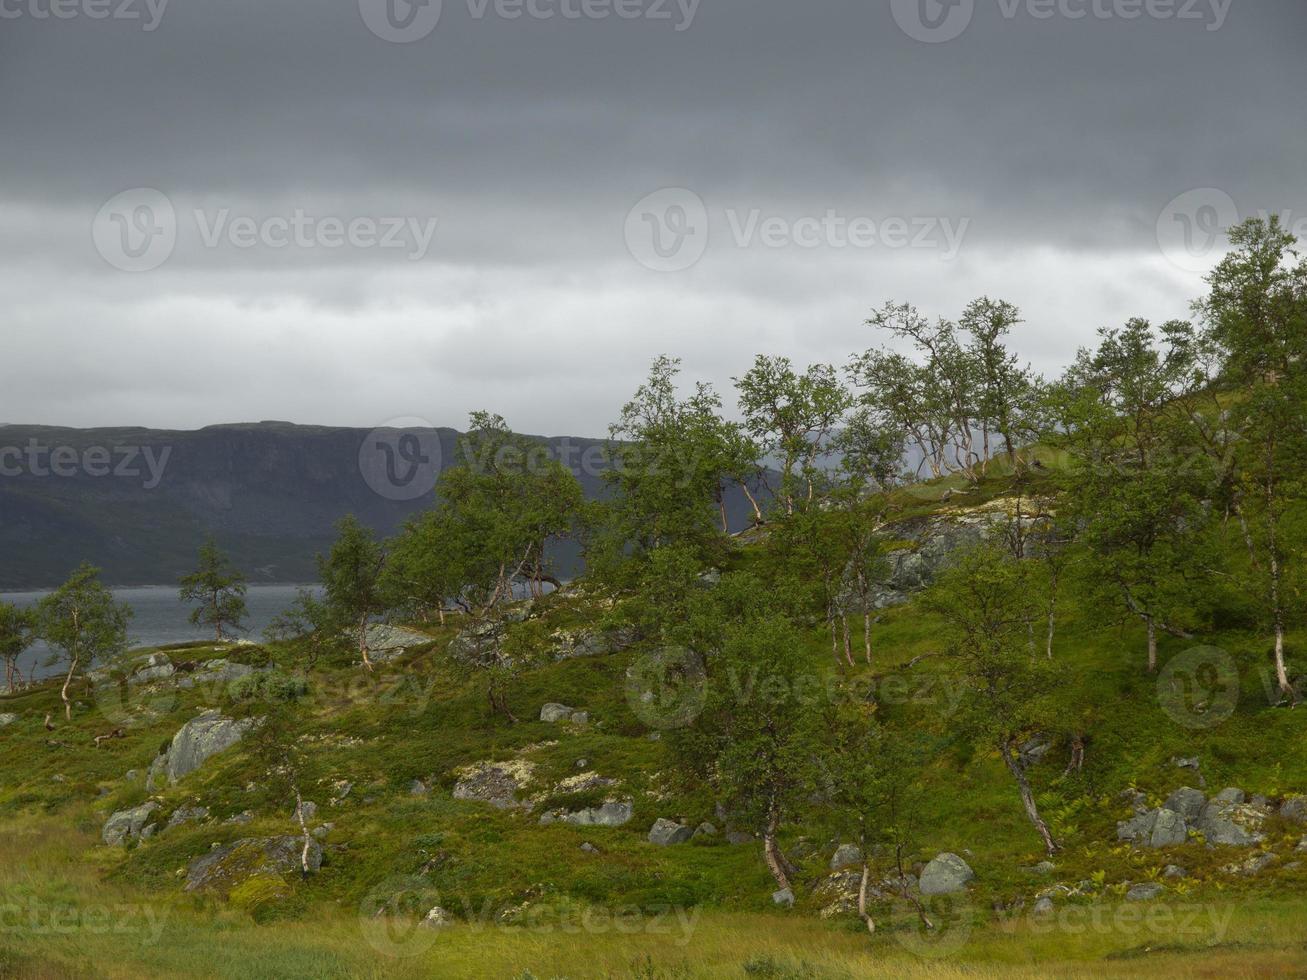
column 82, row 624
column 220, row 591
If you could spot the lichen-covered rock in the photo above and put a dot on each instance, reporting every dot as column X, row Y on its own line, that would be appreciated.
column 665, row 832
column 590, row 643
column 945, row 874
column 386, row 642
column 607, row 815
column 1231, row 824
column 126, row 825
column 496, row 783
column 1253, row 865
column 7, row 718
column 226, row 867
column 199, row 740
column 784, row 898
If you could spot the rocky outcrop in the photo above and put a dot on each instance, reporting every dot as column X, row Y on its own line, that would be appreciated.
column 1155, row 828
column 216, row 672
column 945, row 875
column 607, row 815
column 128, row 825
column 386, row 642
column 199, row 740
column 1227, row 821
column 1188, row 802
column 1145, row 892
column 496, row 783
column 478, row 644
column 555, row 713
column 224, row 867
column 665, row 832
column 590, row 643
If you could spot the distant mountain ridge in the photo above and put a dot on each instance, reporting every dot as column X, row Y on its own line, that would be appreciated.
column 138, row 502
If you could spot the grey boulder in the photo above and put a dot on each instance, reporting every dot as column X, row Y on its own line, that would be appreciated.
column 199, row 740
column 1155, row 828
column 127, row 825
column 608, row 815
column 226, row 866
column 665, row 832
column 845, row 855
column 1145, row 892
column 945, row 874
column 555, row 712
column 1188, row 802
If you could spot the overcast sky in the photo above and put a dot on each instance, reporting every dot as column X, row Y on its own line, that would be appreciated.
column 359, row 212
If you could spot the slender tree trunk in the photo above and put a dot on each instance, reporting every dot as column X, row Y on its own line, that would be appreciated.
column 848, row 641
column 1027, row 797
column 1152, row 644
column 757, row 511
column 363, row 643
column 862, row 897
column 776, row 862
column 440, row 611
column 866, row 635
column 304, row 831
column 68, row 706
column 834, row 638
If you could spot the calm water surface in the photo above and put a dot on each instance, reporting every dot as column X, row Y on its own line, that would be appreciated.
column 161, row 618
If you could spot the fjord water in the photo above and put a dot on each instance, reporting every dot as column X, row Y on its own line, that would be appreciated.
column 160, row 617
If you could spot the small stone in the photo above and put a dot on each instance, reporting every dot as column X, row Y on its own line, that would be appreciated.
column 1295, row 809
column 555, row 712
column 589, row 848
column 1044, row 906
column 705, row 829
column 7, row 718
column 582, row 763
column 1145, row 892
column 1230, row 795
column 784, row 898
column 438, row 918
column 418, row 788
column 1044, row 868
column 580, row 718
column 1173, row 871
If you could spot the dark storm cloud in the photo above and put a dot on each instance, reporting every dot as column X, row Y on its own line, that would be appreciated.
column 1058, row 138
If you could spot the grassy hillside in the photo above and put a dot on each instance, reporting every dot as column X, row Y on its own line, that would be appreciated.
column 523, row 895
